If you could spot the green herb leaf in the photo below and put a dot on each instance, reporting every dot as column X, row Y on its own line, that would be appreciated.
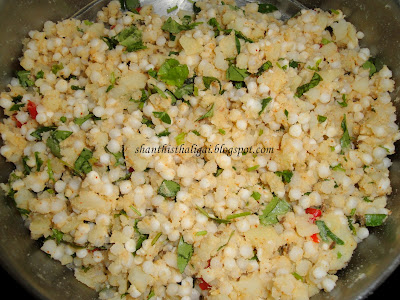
column 24, row 78
column 80, row 121
column 274, row 209
column 185, row 252
column 82, row 163
column 169, row 189
column 57, row 235
column 224, row 245
column 56, row 68
column 200, row 233
column 235, row 74
column 238, row 215
column 180, row 138
column 53, row 142
column 27, row 169
column 256, row 195
column 207, row 80
column 338, row 167
column 321, row 119
column 131, row 38
column 218, row 220
column 264, row 104
column 326, row 233
column 208, row 114
column 286, row 175
column 324, row 41
column 163, row 116
column 373, row 220
column 369, row 65
column 345, row 141
column 173, row 73
column 50, row 171
column 39, row 161
column 315, row 80
column 253, row 168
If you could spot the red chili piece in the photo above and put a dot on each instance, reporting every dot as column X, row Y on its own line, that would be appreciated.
column 138, row 9
column 315, row 212
column 32, row 109
column 19, row 124
column 315, row 238
column 204, row 285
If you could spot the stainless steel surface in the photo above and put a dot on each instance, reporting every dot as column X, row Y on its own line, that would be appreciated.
column 376, row 257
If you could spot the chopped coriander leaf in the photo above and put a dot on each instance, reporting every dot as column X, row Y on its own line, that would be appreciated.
column 82, row 163
column 373, row 220
column 351, row 226
column 156, row 238
column 338, row 167
column 135, row 210
column 119, row 157
column 221, row 131
column 169, row 189
column 218, row 220
column 286, row 175
column 369, row 65
column 321, row 119
column 297, row 276
column 326, row 233
column 174, row 27
column 345, row 140
column 286, row 113
column 152, row 73
column 50, row 171
column 56, row 68
column 264, row 67
column 316, row 67
column 53, row 142
column 266, row 8
column 57, row 235
column 236, row 74
column 224, row 245
column 180, row 138
column 344, row 102
column 112, row 81
column 339, row 255
column 173, row 73
column 39, row 161
column 325, row 41
column 256, row 195
column 274, row 209
column 111, row 42
column 80, row 121
column 264, row 104
column 315, row 80
column 40, row 75
column 76, row 88
column 293, row 64
column 219, row 172
column 17, row 107
column 186, row 89
column 24, row 212
column 208, row 80
column 387, row 149
column 238, row 215
column 163, row 133
column 27, row 169
column 185, row 252
column 173, row 53
column 253, row 168
column 334, row 11
column 151, row 294
column 169, row 10
column 208, row 114
column 87, row 22
column 147, row 122
column 38, row 132
column 163, row 116
column 200, row 233
column 131, row 38
column 24, row 78
column 196, row 132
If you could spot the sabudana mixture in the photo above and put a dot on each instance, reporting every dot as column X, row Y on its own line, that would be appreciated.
column 221, row 225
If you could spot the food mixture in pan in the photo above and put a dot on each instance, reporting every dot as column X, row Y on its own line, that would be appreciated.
column 219, row 153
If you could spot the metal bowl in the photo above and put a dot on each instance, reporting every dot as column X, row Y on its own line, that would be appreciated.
column 373, row 261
